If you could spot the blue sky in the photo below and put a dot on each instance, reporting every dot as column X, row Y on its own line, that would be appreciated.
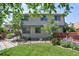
column 71, row 18
column 74, row 16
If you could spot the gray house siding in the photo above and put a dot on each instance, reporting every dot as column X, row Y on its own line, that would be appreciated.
column 33, row 23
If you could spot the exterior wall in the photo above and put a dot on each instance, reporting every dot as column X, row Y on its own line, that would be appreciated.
column 32, row 34
column 61, row 22
column 38, row 21
column 34, row 22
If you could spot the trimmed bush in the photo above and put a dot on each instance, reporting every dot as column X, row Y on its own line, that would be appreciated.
column 10, row 35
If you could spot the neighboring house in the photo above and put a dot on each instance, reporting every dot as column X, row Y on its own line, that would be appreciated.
column 76, row 25
column 31, row 26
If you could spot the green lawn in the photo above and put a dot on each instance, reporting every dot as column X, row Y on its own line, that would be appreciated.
column 39, row 50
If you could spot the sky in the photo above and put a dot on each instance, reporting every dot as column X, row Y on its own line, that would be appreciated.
column 71, row 18
column 74, row 15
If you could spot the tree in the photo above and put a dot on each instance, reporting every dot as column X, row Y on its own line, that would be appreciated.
column 7, row 8
column 51, row 28
column 48, row 7
column 69, row 28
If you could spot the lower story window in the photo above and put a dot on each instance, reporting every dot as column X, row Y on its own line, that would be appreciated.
column 26, row 30
column 38, row 30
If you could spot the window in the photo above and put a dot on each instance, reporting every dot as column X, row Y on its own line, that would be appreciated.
column 26, row 30
column 26, row 17
column 57, row 17
column 38, row 30
column 44, row 17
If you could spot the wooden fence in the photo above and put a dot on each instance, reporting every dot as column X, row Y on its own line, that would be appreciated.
column 74, row 35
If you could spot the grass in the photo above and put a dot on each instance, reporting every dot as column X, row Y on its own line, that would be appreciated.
column 38, row 50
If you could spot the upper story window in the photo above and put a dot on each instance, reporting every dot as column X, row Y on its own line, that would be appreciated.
column 44, row 17
column 26, row 17
column 57, row 17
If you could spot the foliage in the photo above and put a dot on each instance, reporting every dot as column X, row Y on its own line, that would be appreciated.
column 69, row 28
column 3, row 30
column 48, row 7
column 16, row 22
column 10, row 35
column 56, row 41
column 3, row 33
column 75, row 46
column 66, row 43
column 69, row 44
column 16, row 10
column 7, row 8
column 51, row 27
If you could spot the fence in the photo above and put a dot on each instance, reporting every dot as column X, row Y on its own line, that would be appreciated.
column 74, row 35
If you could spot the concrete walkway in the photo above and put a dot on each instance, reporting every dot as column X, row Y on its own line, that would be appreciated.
column 34, row 42
column 6, row 44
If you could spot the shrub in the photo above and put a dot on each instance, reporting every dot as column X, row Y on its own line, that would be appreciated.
column 75, row 46
column 3, row 30
column 10, row 35
column 69, row 44
column 55, row 41
column 66, row 43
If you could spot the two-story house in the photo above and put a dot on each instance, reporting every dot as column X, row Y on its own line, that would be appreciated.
column 31, row 26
